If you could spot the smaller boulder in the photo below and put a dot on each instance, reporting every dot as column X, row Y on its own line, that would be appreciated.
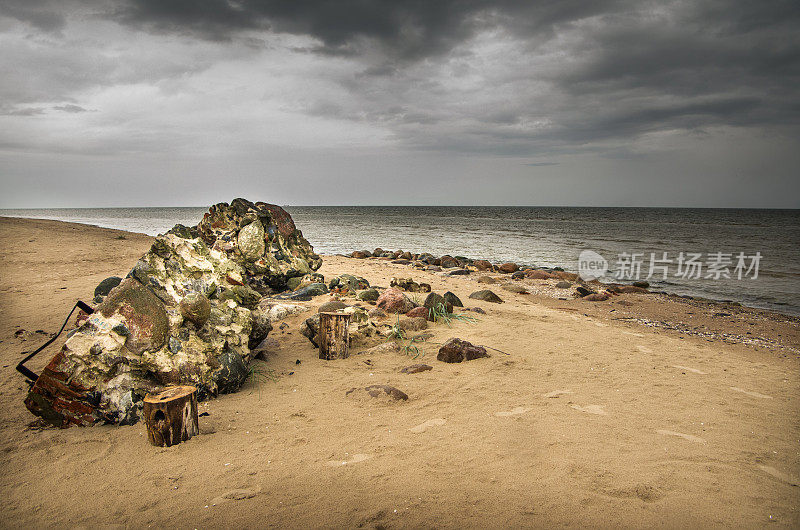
column 538, row 274
column 378, row 314
column 332, row 306
column 487, row 296
column 395, row 301
column 413, row 324
column 482, row 265
column 508, row 267
column 563, row 285
column 418, row 312
column 486, row 279
column 452, row 299
column 416, row 368
column 383, row 390
column 368, row 295
column 514, row 288
column 457, row 350
column 104, row 287
column 436, row 301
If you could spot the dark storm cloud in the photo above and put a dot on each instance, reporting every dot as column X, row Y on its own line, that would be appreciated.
column 628, row 68
column 41, row 14
column 405, row 29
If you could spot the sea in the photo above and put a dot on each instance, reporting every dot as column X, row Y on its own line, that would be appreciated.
column 751, row 256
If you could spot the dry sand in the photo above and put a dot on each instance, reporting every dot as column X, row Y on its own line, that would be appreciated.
column 588, row 421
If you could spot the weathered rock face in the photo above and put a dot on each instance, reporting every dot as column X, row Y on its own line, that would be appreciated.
column 188, row 313
column 457, row 350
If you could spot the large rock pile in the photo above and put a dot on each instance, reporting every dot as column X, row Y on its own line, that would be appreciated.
column 187, row 313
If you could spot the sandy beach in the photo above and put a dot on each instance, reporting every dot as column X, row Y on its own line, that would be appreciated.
column 658, row 411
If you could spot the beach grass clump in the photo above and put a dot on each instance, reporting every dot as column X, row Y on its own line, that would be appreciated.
column 439, row 313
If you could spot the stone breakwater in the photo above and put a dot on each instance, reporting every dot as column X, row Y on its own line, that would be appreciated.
column 189, row 312
column 592, row 291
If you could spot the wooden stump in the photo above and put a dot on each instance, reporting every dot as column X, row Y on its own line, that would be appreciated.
column 171, row 415
column 333, row 336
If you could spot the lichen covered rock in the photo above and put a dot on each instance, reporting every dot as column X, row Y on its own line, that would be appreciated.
column 188, row 313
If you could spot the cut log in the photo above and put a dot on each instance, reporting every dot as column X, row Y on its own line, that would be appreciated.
column 171, row 415
column 334, row 340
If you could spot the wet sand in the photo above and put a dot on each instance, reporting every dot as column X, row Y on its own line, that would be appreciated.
column 666, row 412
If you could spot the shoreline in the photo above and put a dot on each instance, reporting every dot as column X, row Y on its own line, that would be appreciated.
column 665, row 292
column 586, row 418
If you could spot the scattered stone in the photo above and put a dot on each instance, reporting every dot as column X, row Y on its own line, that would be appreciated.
column 368, row 295
column 537, row 274
column 436, row 301
column 406, row 255
column 563, row 285
column 413, row 324
column 348, row 283
column 519, row 275
column 486, row 279
column 457, row 350
column 508, row 267
column 104, row 287
column 384, row 347
column 482, row 265
column 596, row 297
column 433, row 268
column 416, row 368
column 459, row 272
column 305, row 293
column 418, row 312
column 359, row 254
column 332, row 306
column 475, row 310
column 583, row 291
column 625, row 303
column 408, row 284
column 452, row 299
column 449, row 262
column 487, row 296
column 394, row 393
column 395, row 301
column 514, row 288
column 378, row 313
column 641, row 283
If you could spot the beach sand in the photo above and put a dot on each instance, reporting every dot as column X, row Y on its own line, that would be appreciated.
column 661, row 413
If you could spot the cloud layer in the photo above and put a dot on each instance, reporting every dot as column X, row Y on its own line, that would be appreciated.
column 563, row 88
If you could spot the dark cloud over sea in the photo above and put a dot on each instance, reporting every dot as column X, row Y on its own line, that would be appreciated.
column 633, row 103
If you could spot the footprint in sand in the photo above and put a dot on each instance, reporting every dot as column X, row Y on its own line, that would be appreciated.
column 513, row 412
column 354, row 459
column 686, row 368
column 556, row 393
column 644, row 349
column 424, row 426
column 753, row 394
column 236, row 495
column 689, row 437
column 789, row 479
column 591, row 409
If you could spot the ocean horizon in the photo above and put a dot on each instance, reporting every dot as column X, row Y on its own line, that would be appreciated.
column 544, row 236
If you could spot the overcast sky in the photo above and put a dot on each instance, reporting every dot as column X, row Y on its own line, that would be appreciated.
column 559, row 102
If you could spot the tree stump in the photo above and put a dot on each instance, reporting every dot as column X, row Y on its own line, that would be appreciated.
column 171, row 415
column 334, row 340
